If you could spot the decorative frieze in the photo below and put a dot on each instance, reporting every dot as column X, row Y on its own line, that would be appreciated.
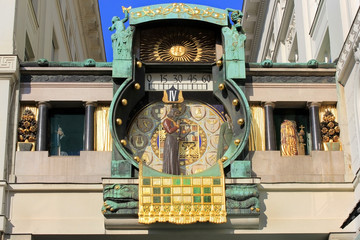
column 9, row 65
column 349, row 47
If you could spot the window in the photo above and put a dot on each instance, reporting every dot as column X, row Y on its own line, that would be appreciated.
column 324, row 54
column 54, row 49
column 66, row 131
column 29, row 54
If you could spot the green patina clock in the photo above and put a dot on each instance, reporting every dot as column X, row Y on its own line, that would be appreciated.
column 179, row 113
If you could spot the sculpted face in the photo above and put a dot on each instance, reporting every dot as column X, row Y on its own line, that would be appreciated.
column 115, row 19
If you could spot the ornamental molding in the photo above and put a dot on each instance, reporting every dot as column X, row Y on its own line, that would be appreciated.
column 290, row 36
column 9, row 65
column 193, row 12
column 349, row 48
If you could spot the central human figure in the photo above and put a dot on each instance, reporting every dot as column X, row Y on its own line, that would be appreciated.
column 171, row 162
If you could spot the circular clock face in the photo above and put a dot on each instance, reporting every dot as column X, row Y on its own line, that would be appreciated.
column 197, row 141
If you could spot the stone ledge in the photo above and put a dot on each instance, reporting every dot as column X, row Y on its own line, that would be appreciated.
column 39, row 167
column 131, row 222
column 320, row 167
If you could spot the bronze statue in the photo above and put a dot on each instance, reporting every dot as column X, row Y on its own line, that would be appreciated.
column 171, row 125
column 120, row 38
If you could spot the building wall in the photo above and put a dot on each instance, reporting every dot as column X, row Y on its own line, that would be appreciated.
column 297, row 31
column 58, row 30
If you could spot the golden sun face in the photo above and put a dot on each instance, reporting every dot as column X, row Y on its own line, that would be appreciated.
column 177, row 45
column 177, row 51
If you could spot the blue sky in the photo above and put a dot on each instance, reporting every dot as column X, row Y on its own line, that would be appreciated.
column 110, row 8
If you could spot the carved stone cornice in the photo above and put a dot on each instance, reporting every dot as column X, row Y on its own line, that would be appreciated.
column 9, row 67
column 349, row 48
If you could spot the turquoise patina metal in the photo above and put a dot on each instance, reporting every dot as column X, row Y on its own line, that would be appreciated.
column 178, row 11
column 124, row 199
column 122, row 46
column 234, row 44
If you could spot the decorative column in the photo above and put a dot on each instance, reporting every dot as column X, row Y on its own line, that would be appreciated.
column 41, row 138
column 270, row 135
column 89, row 126
column 315, row 126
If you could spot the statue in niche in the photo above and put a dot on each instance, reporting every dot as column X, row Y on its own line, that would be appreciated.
column 225, row 137
column 171, row 125
column 121, row 42
column 302, row 144
column 289, row 139
column 234, row 37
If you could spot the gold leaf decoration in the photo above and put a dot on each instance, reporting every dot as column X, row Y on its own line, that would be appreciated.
column 177, row 45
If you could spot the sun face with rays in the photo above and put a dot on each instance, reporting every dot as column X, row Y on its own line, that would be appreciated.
column 177, row 45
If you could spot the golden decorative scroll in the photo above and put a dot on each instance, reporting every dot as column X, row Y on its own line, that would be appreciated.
column 179, row 8
column 181, row 199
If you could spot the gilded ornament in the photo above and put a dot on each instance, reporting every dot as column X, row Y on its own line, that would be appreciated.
column 179, row 8
column 123, row 142
column 124, row 102
column 124, row 9
column 221, row 86
column 118, row 121
column 235, row 102
column 237, row 142
column 224, row 158
column 219, row 63
column 179, row 44
column 136, row 158
column 241, row 121
column 139, row 64
column 137, row 86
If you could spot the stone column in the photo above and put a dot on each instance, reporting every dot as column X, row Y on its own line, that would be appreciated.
column 43, row 115
column 89, row 126
column 315, row 126
column 270, row 135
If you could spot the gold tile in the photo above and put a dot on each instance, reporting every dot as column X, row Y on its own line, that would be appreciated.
column 217, row 199
column 157, row 181
column 177, row 190
column 146, row 190
column 217, row 190
column 187, row 190
column 146, row 199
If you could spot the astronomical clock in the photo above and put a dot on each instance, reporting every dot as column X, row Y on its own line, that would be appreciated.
column 179, row 117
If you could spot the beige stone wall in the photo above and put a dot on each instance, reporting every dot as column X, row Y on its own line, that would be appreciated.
column 75, row 209
column 62, row 23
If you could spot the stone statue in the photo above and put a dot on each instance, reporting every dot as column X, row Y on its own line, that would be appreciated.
column 225, row 137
